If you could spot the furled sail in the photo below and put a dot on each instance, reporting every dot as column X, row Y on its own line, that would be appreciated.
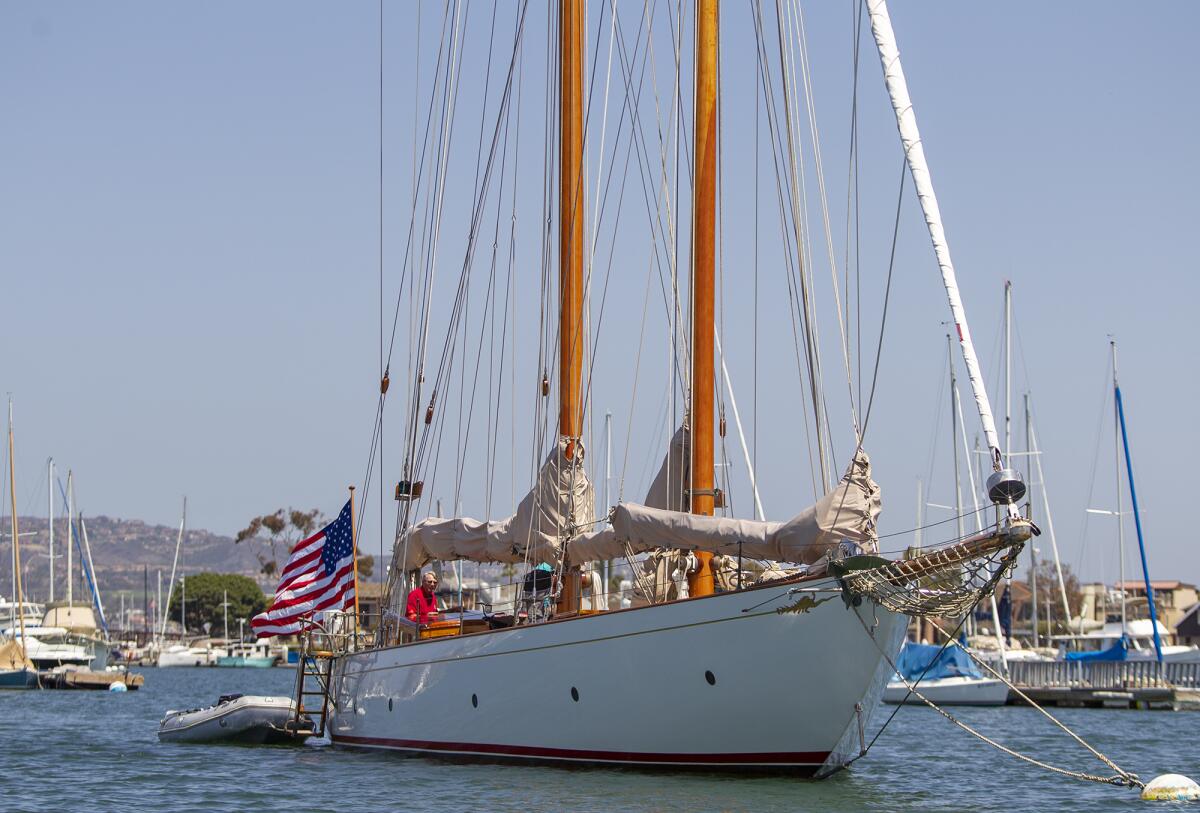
column 560, row 502
column 666, row 490
column 849, row 511
column 12, row 656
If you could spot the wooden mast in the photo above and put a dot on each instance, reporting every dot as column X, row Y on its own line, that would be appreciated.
column 700, row 583
column 570, row 276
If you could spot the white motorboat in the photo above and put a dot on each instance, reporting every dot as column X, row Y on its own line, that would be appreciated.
column 254, row 719
column 945, row 676
column 181, row 655
column 48, row 647
column 951, row 691
column 1133, row 643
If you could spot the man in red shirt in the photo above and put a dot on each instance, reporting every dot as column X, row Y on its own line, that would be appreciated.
column 422, row 602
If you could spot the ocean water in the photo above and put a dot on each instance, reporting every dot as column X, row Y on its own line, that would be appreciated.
column 85, row 751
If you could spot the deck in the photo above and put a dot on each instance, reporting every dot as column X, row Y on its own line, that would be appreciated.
column 1117, row 684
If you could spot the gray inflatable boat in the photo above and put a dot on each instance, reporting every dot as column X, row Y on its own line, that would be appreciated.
column 252, row 719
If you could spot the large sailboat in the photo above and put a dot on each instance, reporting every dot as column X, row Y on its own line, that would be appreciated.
column 711, row 663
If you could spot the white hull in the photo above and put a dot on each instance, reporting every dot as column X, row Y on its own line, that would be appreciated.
column 249, row 718
column 1171, row 654
column 46, row 655
column 724, row 682
column 187, row 656
column 951, row 691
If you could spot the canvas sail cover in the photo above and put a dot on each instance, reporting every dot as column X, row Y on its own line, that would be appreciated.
column 561, row 500
column 675, row 473
column 12, row 656
column 929, row 662
column 849, row 511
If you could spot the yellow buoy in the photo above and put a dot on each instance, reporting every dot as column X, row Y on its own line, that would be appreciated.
column 1171, row 787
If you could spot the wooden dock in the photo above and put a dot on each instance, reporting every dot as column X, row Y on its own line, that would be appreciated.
column 1116, row 684
column 87, row 679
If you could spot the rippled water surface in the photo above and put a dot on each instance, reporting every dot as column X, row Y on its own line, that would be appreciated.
column 82, row 751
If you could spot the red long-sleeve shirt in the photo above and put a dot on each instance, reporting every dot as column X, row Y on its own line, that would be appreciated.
column 422, row 606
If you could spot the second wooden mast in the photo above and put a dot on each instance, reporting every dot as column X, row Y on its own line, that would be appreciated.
column 702, row 493
column 571, row 217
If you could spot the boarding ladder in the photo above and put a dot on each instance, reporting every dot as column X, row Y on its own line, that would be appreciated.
column 313, row 674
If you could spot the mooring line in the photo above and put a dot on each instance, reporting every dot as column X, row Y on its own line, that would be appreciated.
column 1123, row 778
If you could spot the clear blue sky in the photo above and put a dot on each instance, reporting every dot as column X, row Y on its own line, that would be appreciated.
column 189, row 227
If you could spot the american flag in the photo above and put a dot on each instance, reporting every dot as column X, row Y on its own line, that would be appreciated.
column 318, row 576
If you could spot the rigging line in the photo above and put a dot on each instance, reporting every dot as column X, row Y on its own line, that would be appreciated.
column 757, row 196
column 550, row 106
column 806, row 77
column 783, row 192
column 800, row 221
column 580, row 200
column 929, row 525
column 480, row 204
column 433, row 207
column 1033, row 435
column 911, row 688
column 451, row 96
column 382, row 369
column 637, row 366
column 579, row 207
column 416, row 181
column 508, row 291
column 670, row 245
column 412, row 300
column 609, row 270
column 463, row 437
column 937, row 427
column 1130, row 778
column 488, row 300
column 812, row 324
column 659, row 248
column 683, row 327
column 1104, row 412
column 853, row 188
column 784, row 195
column 417, row 456
column 887, row 298
column 596, row 208
column 720, row 327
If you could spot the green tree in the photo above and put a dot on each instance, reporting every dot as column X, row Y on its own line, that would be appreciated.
column 283, row 528
column 1050, row 595
column 205, row 593
column 366, row 566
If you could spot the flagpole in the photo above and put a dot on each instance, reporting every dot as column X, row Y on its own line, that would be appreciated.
column 354, row 541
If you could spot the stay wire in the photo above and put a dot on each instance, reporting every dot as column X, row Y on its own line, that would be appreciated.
column 887, row 297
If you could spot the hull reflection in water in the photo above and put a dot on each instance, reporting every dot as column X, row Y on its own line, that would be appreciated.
column 725, row 682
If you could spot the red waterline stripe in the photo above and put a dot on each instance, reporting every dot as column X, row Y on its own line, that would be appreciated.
column 764, row 758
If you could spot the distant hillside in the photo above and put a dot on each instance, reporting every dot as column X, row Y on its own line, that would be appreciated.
column 121, row 548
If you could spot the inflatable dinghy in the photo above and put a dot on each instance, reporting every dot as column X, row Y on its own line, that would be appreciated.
column 253, row 719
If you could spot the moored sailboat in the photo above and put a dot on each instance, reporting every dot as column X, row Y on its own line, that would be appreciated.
column 775, row 673
column 16, row 669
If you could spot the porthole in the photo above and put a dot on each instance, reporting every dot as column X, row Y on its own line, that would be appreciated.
column 711, row 678
column 475, row 701
column 574, row 694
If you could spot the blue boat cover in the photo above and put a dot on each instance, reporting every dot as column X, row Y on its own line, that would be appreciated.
column 1116, row 652
column 952, row 661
